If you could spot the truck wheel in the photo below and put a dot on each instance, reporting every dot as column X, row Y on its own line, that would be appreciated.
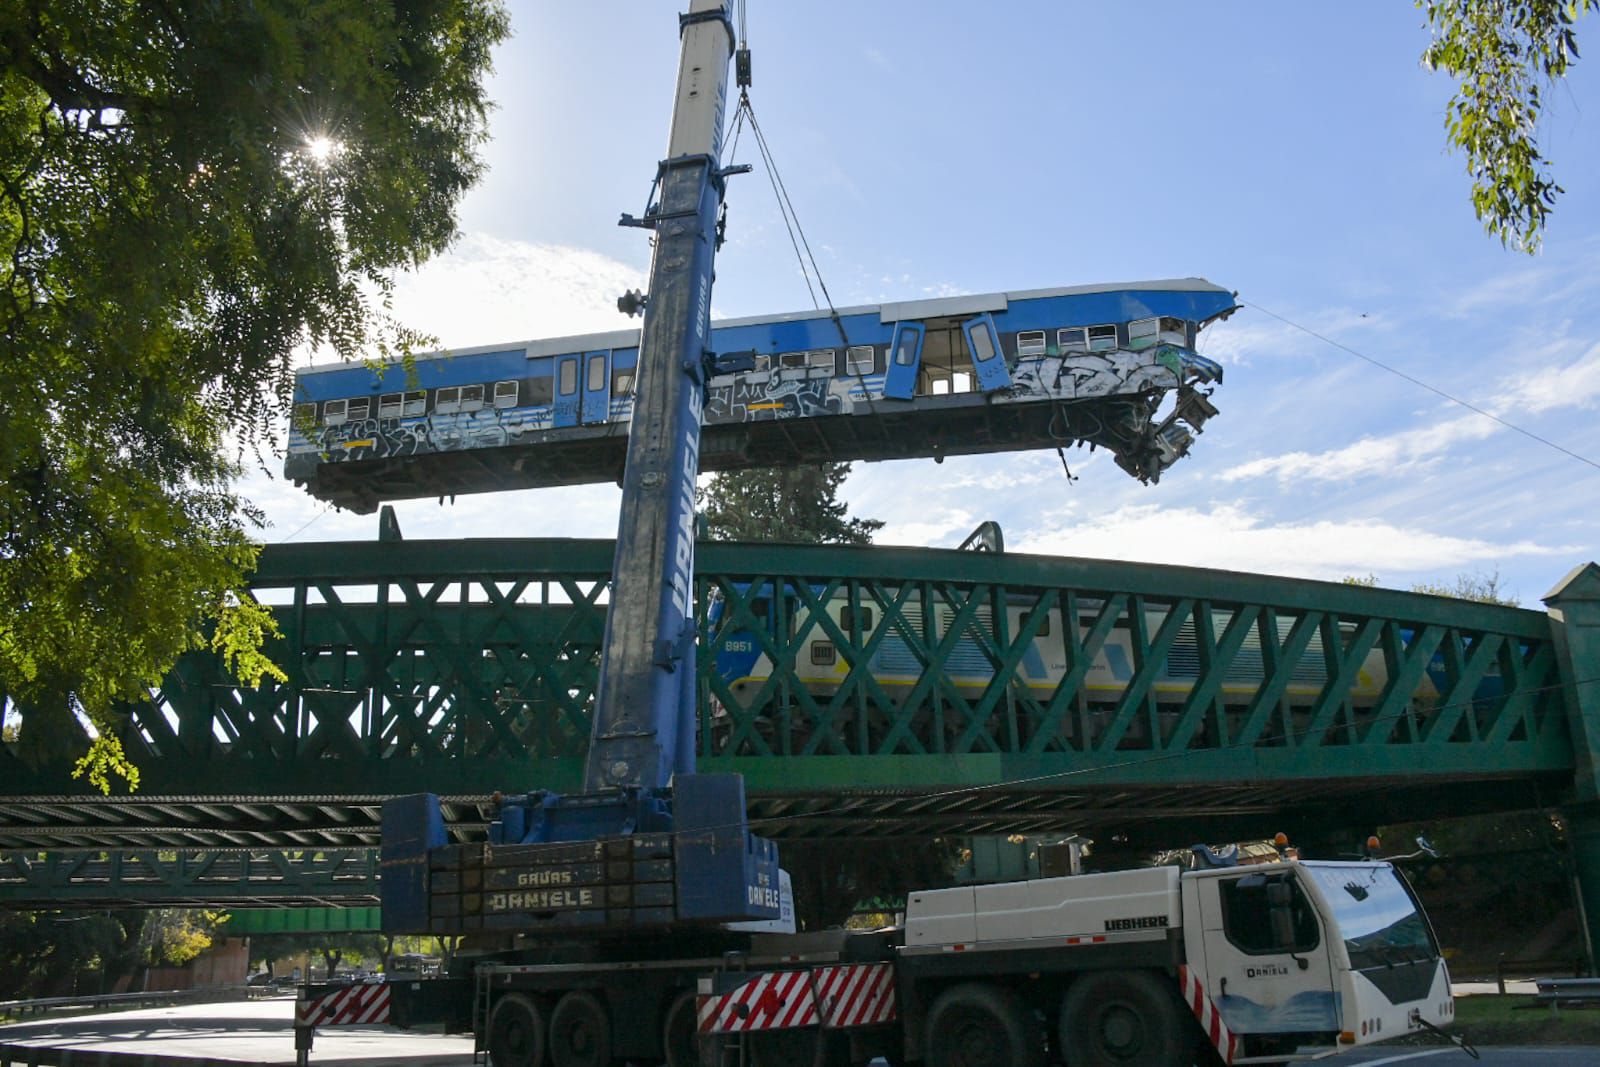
column 981, row 1025
column 1118, row 1018
column 680, row 1038
column 516, row 1032
column 580, row 1032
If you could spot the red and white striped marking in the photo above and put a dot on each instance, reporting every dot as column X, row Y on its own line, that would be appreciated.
column 775, row 1000
column 859, row 994
column 355, row 1005
column 1217, row 1032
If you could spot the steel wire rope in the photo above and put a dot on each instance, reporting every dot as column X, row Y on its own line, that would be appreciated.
column 786, row 207
column 1507, row 423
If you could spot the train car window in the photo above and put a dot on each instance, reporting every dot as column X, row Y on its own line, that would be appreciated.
column 333, row 412
column 471, row 397
column 762, row 363
column 540, row 390
column 305, row 415
column 447, row 400
column 858, row 359
column 761, row 608
column 1142, row 333
column 357, row 409
column 982, row 343
column 792, row 359
column 906, row 354
column 569, row 377
column 1174, row 331
column 1030, row 343
column 417, row 402
column 390, row 405
column 505, row 394
column 1102, row 338
column 621, row 382
column 1073, row 339
column 1044, row 627
column 597, row 374
column 848, row 617
column 823, row 653
column 823, row 359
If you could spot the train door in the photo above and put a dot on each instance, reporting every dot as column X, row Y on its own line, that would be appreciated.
column 983, row 341
column 596, row 387
column 905, row 358
column 567, row 404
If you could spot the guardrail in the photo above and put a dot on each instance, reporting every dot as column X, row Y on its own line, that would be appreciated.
column 1558, row 991
column 1504, row 968
column 148, row 998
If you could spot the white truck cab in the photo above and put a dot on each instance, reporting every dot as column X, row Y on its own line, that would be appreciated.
column 1301, row 954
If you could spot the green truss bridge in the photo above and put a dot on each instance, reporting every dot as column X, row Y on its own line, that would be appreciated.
column 893, row 691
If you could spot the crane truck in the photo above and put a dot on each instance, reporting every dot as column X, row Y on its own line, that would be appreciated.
column 641, row 920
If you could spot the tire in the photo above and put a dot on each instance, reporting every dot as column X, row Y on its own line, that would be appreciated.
column 1125, row 1019
column 982, row 1025
column 680, row 1038
column 580, row 1032
column 517, row 1032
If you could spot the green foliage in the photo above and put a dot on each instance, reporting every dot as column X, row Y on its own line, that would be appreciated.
column 1486, row 588
column 172, row 937
column 1501, row 52
column 168, row 239
column 796, row 504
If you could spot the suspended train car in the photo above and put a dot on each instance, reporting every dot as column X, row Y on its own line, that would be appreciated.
column 1113, row 366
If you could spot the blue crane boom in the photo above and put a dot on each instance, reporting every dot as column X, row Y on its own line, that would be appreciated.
column 649, row 842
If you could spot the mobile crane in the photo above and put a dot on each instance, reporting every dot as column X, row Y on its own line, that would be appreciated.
column 642, row 920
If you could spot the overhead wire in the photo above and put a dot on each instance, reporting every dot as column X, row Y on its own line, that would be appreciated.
column 1414, row 380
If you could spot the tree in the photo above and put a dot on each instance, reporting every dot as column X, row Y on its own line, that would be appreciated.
column 189, row 194
column 788, row 504
column 1502, row 51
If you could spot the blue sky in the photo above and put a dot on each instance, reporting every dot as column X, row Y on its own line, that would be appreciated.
column 1293, row 153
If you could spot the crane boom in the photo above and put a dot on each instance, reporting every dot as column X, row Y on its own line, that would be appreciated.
column 644, row 718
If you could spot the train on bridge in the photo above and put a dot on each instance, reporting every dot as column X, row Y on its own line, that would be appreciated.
column 1113, row 366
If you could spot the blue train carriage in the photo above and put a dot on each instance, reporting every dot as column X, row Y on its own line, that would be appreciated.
column 1112, row 366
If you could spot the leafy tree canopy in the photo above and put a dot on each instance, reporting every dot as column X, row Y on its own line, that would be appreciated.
column 189, row 193
column 798, row 504
column 1502, row 52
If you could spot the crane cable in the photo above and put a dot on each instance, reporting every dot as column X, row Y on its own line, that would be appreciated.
column 791, row 218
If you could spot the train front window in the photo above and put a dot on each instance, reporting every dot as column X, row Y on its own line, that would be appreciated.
column 1102, row 338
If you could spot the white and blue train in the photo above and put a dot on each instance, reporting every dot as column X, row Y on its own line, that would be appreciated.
column 1095, row 364
column 814, row 660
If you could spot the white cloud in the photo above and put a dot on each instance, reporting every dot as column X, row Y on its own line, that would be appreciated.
column 1230, row 538
column 1370, row 455
column 1575, row 385
column 487, row 290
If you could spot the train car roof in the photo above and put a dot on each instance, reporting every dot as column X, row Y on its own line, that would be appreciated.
column 896, row 311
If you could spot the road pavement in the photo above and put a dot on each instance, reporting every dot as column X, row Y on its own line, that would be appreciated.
column 262, row 1032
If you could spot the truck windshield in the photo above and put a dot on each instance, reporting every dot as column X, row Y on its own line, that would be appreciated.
column 1377, row 916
